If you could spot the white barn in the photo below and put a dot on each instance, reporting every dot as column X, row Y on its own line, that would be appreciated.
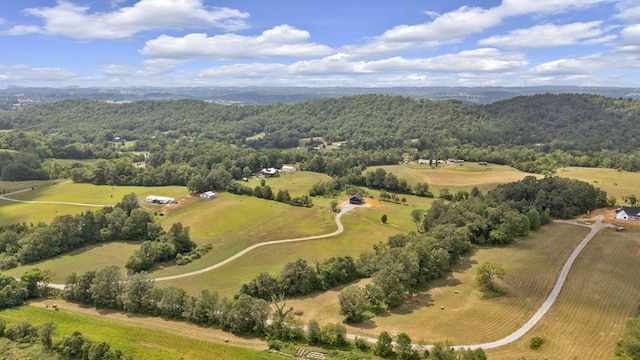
column 160, row 199
column 287, row 168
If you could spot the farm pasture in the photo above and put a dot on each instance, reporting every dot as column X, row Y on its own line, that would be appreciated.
column 532, row 265
column 92, row 257
column 155, row 338
column 363, row 229
column 615, row 183
column 454, row 176
column 589, row 316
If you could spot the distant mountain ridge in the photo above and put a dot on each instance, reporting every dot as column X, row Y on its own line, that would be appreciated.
column 16, row 96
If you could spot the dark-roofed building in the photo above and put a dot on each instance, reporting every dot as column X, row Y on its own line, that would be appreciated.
column 628, row 213
column 356, row 199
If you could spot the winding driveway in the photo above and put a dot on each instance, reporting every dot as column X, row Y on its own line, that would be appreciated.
column 546, row 305
column 343, row 209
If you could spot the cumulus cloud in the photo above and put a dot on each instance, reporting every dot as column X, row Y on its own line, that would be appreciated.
column 75, row 21
column 550, row 35
column 479, row 60
column 629, row 12
column 631, row 39
column 572, row 66
column 280, row 41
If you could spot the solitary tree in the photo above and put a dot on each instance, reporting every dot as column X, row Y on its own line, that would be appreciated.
column 487, row 273
column 353, row 302
column 384, row 218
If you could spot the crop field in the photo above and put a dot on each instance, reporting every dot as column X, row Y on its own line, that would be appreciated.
column 615, row 183
column 155, row 338
column 456, row 177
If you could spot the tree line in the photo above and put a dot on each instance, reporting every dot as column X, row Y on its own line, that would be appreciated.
column 23, row 244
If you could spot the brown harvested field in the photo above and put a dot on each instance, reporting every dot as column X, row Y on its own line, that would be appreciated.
column 532, row 266
column 615, row 183
column 588, row 318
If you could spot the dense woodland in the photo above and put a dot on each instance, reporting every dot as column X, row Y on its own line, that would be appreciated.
column 187, row 137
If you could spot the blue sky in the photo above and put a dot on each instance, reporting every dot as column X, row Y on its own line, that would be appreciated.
column 320, row 43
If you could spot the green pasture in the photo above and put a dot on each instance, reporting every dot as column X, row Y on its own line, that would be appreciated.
column 139, row 342
column 615, row 183
column 11, row 186
column 297, row 183
column 96, row 194
column 454, row 176
column 363, row 229
column 92, row 257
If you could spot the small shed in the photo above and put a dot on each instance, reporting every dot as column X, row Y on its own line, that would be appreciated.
column 287, row 168
column 208, row 195
column 356, row 199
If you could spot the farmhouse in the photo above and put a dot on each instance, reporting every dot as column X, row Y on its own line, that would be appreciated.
column 270, row 172
column 356, row 199
column 628, row 213
column 208, row 195
column 160, row 199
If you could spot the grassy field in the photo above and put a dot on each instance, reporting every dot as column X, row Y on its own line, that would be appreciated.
column 93, row 257
column 12, row 212
column 615, row 183
column 589, row 316
column 154, row 338
column 531, row 265
column 456, row 177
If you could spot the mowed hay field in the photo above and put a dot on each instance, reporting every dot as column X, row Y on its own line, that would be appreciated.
column 140, row 337
column 456, row 177
column 363, row 229
column 600, row 295
column 92, row 257
column 615, row 183
column 14, row 212
column 531, row 265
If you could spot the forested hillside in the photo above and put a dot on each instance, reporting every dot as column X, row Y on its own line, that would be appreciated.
column 181, row 138
column 566, row 121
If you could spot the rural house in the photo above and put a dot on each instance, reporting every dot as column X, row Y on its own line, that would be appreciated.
column 270, row 172
column 356, row 199
column 628, row 213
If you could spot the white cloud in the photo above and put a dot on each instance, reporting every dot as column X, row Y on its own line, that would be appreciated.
column 280, row 41
column 573, row 66
column 475, row 61
column 161, row 66
column 522, row 7
column 25, row 73
column 242, row 71
column 74, row 21
column 549, row 35
column 479, row 61
column 118, row 69
column 629, row 13
column 631, row 39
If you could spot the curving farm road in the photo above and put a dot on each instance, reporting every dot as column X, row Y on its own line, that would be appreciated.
column 546, row 305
